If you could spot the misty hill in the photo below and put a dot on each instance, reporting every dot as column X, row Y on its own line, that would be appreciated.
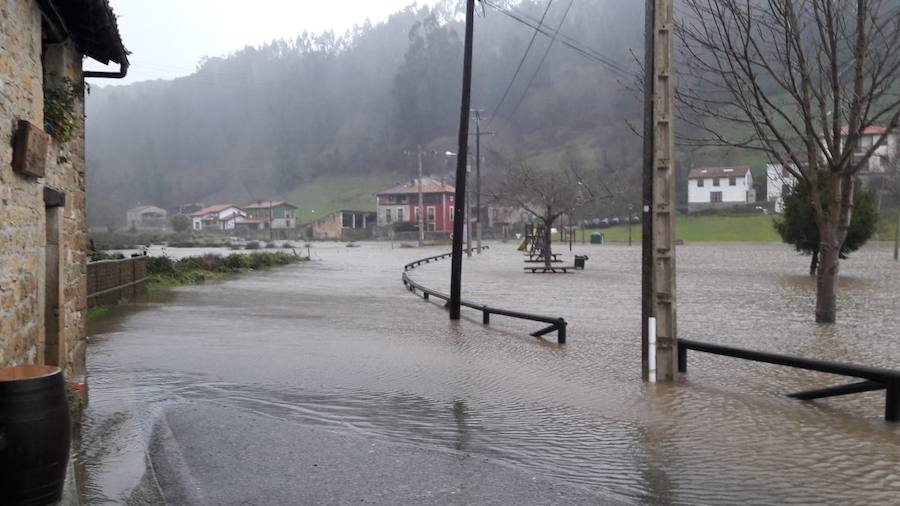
column 277, row 121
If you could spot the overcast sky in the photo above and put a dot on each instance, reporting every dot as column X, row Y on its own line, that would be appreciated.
column 168, row 37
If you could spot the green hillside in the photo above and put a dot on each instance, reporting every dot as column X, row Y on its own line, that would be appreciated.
column 327, row 194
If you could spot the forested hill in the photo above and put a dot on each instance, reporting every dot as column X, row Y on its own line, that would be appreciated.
column 267, row 120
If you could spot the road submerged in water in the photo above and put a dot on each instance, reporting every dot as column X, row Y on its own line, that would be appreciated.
column 329, row 383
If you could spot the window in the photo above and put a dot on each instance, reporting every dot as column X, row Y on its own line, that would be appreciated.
column 418, row 213
column 732, row 181
column 399, row 214
column 387, row 215
column 430, row 214
column 715, row 181
column 700, row 182
column 715, row 197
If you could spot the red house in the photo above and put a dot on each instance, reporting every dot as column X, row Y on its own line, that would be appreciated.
column 401, row 204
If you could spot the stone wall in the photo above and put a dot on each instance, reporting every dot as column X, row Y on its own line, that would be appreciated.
column 24, row 227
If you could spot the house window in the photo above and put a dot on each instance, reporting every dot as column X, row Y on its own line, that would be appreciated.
column 715, row 197
column 715, row 181
column 387, row 215
column 400, row 214
column 700, row 183
column 430, row 214
column 732, row 181
column 418, row 213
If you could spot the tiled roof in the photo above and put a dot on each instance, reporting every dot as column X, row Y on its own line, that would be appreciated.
column 872, row 130
column 212, row 209
column 268, row 204
column 704, row 172
column 428, row 186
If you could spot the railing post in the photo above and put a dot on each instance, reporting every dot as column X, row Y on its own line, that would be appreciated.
column 561, row 331
column 485, row 316
column 682, row 358
column 892, row 401
column 425, row 295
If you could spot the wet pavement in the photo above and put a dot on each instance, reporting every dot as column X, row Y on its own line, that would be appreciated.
column 328, row 382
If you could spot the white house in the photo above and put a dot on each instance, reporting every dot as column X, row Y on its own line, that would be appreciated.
column 778, row 180
column 146, row 218
column 218, row 217
column 720, row 187
column 884, row 157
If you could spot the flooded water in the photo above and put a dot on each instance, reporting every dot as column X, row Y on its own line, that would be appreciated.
column 338, row 343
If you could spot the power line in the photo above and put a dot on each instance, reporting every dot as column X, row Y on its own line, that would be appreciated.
column 521, row 62
column 567, row 41
column 541, row 63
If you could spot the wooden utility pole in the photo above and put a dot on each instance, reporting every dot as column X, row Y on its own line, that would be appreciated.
column 658, row 296
column 459, row 202
column 897, row 237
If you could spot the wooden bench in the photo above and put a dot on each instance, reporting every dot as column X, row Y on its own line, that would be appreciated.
column 552, row 268
column 541, row 261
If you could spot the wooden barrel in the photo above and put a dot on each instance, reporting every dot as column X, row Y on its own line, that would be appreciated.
column 34, row 435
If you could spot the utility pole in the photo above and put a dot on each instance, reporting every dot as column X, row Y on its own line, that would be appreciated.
column 459, row 202
column 630, row 212
column 897, row 236
column 478, row 176
column 658, row 338
column 421, row 208
column 468, row 217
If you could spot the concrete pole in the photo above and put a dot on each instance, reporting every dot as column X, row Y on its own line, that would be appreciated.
column 897, row 236
column 663, row 207
column 421, row 209
column 478, row 177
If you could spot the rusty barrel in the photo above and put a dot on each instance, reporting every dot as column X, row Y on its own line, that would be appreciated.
column 34, row 435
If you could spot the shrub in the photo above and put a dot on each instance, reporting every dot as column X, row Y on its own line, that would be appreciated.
column 252, row 245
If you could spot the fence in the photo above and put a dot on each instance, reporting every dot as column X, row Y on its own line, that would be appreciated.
column 110, row 280
column 557, row 324
column 875, row 378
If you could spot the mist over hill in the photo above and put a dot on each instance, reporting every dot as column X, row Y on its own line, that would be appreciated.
column 265, row 121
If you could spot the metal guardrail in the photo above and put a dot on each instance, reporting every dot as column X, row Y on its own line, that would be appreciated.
column 876, row 378
column 557, row 324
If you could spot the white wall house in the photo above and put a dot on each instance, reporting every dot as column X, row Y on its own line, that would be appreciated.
column 720, row 187
column 218, row 217
column 885, row 156
column 778, row 181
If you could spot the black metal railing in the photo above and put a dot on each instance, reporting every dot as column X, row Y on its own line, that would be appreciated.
column 557, row 324
column 875, row 378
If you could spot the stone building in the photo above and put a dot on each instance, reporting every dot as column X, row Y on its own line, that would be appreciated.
column 42, row 173
column 146, row 218
column 343, row 225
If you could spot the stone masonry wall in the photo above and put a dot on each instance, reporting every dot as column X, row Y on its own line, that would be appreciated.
column 22, row 211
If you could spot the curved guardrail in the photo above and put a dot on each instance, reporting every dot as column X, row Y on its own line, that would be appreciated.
column 557, row 324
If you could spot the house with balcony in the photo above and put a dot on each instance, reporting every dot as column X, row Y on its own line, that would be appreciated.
column 275, row 214
column 720, row 188
column 400, row 204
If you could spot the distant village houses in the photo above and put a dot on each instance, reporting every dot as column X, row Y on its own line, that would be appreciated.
column 400, row 204
column 778, row 182
column 720, row 188
column 276, row 214
column 220, row 217
column 142, row 218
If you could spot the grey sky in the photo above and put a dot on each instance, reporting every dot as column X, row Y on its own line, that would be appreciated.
column 168, row 37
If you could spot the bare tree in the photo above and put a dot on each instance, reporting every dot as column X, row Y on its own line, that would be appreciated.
column 547, row 194
column 802, row 79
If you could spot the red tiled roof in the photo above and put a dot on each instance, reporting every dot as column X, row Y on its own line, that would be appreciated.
column 268, row 204
column 704, row 172
column 212, row 209
column 872, row 130
column 428, row 186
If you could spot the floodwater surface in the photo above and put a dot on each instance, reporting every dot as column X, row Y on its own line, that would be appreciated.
column 339, row 343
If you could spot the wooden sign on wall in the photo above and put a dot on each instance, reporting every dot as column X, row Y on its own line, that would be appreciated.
column 30, row 151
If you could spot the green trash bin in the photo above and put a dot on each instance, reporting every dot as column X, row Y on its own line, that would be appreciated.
column 597, row 238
